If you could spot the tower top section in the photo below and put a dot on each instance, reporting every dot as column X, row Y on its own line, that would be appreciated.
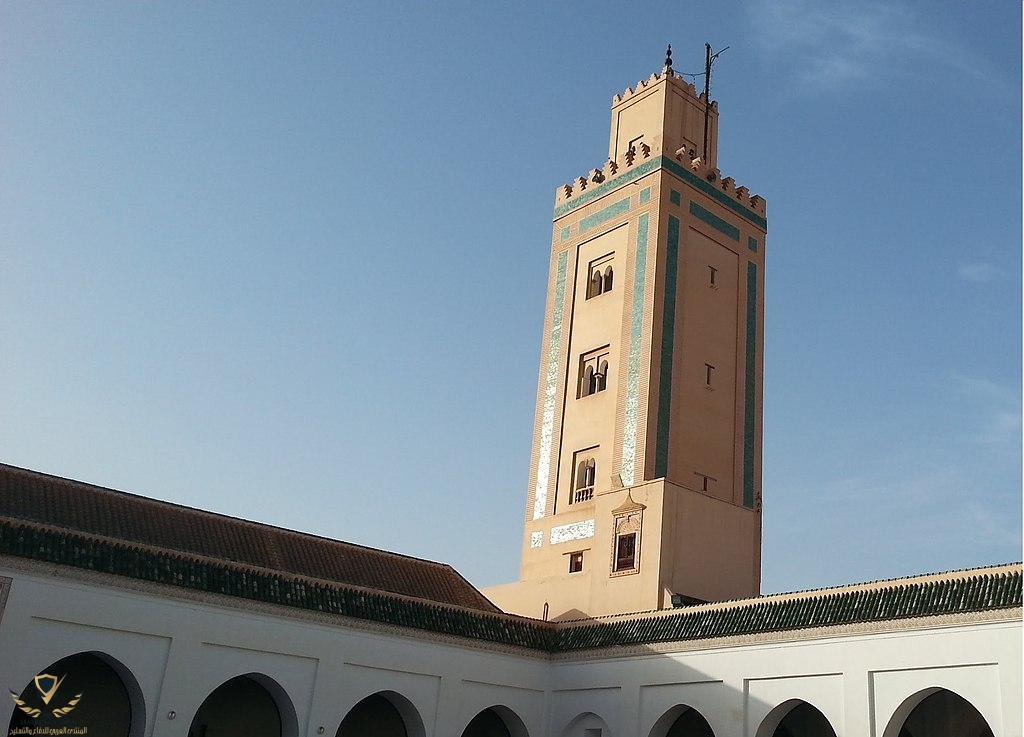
column 668, row 108
column 661, row 121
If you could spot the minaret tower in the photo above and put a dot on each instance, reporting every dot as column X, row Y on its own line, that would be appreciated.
column 645, row 476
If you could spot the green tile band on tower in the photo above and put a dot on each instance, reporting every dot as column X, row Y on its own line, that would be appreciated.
column 668, row 325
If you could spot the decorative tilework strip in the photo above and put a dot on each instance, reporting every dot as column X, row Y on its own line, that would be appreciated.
column 714, row 221
column 536, row 539
column 645, row 195
column 714, row 192
column 540, row 497
column 575, row 531
column 674, row 197
column 675, row 168
column 668, row 327
column 604, row 214
column 633, row 367
column 593, row 193
column 810, row 609
column 752, row 243
column 750, row 384
column 892, row 600
column 565, row 232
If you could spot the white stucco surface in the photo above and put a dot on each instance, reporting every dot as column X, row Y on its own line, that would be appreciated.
column 178, row 646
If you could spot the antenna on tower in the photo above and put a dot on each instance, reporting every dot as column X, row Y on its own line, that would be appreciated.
column 710, row 58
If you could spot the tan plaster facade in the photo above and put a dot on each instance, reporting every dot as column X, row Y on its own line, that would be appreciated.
column 647, row 442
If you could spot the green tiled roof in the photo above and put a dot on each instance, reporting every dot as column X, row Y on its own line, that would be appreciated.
column 896, row 601
column 825, row 609
column 65, row 548
column 101, row 536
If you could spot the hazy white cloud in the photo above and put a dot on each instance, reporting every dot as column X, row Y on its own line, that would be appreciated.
column 981, row 273
column 832, row 44
column 1003, row 427
column 907, row 508
column 992, row 525
column 982, row 388
column 999, row 406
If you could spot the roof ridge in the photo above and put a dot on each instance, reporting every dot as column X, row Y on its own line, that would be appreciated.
column 245, row 567
column 221, row 515
column 272, row 587
column 922, row 578
column 910, row 577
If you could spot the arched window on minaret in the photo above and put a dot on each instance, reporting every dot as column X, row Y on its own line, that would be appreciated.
column 601, row 377
column 586, row 472
column 593, row 372
column 600, row 276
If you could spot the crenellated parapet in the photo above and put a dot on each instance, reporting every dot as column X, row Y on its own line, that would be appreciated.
column 636, row 156
column 668, row 75
column 727, row 185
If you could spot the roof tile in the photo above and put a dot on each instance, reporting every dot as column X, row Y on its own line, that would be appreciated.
column 29, row 496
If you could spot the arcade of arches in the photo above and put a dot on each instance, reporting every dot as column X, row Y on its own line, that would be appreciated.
column 100, row 690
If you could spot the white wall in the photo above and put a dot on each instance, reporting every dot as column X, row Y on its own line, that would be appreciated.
column 857, row 681
column 179, row 649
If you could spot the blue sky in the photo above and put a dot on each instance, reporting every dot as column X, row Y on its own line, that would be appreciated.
column 288, row 262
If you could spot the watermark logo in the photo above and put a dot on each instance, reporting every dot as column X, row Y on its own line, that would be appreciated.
column 47, row 686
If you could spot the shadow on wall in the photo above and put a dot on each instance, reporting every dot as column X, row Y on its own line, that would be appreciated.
column 95, row 691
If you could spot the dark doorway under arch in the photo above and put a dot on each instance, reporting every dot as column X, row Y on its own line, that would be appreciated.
column 86, row 691
column 486, row 724
column 374, row 716
column 240, row 707
column 945, row 714
column 496, row 721
column 690, row 723
column 804, row 720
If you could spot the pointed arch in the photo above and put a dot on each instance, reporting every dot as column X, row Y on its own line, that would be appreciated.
column 586, row 724
column 382, row 714
column 682, row 720
column 937, row 712
column 252, row 704
column 496, row 721
column 795, row 718
column 115, row 705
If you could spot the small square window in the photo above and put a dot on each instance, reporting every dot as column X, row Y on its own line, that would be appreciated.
column 704, row 480
column 576, row 562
